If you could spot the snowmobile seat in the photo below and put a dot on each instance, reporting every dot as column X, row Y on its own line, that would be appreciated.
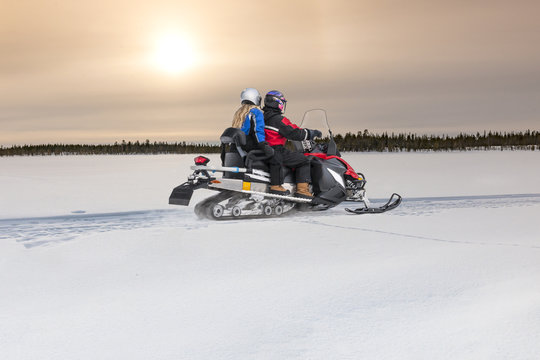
column 233, row 141
column 255, row 159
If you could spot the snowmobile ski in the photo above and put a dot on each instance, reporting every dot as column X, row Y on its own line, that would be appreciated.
column 392, row 203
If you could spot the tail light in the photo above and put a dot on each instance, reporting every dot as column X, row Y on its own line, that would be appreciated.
column 201, row 160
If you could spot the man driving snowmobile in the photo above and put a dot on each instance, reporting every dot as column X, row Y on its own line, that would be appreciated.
column 250, row 119
column 278, row 130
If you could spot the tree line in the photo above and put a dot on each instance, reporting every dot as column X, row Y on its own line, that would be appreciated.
column 359, row 142
column 366, row 141
column 123, row 148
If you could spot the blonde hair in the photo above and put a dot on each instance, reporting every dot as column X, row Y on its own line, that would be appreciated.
column 240, row 114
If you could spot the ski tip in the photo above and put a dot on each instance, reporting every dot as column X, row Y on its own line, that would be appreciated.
column 392, row 203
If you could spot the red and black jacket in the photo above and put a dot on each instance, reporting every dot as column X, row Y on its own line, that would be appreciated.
column 278, row 128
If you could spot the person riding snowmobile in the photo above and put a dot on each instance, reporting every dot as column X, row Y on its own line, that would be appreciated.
column 250, row 119
column 278, row 130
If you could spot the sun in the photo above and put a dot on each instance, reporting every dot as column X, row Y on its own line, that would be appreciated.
column 173, row 54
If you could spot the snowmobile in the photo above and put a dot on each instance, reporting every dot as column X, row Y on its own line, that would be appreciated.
column 243, row 187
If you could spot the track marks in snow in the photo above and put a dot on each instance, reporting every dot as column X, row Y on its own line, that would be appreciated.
column 421, row 206
column 420, row 237
column 32, row 232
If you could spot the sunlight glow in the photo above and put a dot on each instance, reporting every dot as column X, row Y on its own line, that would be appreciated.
column 173, row 54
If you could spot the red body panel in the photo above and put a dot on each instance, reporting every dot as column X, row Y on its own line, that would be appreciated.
column 350, row 171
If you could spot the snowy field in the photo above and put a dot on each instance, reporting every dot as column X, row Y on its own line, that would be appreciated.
column 95, row 264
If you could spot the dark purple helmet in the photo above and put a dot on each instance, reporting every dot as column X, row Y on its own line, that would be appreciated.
column 275, row 99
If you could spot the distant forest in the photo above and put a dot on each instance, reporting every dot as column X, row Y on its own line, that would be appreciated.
column 361, row 141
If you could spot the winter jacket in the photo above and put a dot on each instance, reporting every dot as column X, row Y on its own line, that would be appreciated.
column 253, row 127
column 278, row 128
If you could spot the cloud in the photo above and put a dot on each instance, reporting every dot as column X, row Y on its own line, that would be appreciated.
column 421, row 65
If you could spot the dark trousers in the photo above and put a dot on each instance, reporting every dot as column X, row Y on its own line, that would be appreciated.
column 293, row 160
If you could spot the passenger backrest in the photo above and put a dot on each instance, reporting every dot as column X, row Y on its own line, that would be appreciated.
column 234, row 136
column 232, row 152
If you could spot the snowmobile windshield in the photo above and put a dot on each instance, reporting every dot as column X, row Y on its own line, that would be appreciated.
column 316, row 120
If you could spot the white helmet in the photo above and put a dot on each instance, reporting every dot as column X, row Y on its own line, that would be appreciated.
column 251, row 95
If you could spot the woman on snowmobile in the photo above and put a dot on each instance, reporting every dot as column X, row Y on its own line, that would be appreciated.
column 278, row 129
column 250, row 119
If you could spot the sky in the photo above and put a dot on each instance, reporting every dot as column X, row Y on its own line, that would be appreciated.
column 105, row 71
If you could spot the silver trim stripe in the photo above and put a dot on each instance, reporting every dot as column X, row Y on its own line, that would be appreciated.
column 271, row 128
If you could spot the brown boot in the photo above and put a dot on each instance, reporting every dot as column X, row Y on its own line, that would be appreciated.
column 302, row 191
column 279, row 190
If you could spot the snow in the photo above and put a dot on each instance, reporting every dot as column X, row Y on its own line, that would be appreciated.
column 95, row 265
column 61, row 185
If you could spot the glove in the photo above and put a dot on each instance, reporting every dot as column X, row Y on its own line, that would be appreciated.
column 312, row 134
column 268, row 151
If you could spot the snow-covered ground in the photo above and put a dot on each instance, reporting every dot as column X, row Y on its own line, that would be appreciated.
column 95, row 265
